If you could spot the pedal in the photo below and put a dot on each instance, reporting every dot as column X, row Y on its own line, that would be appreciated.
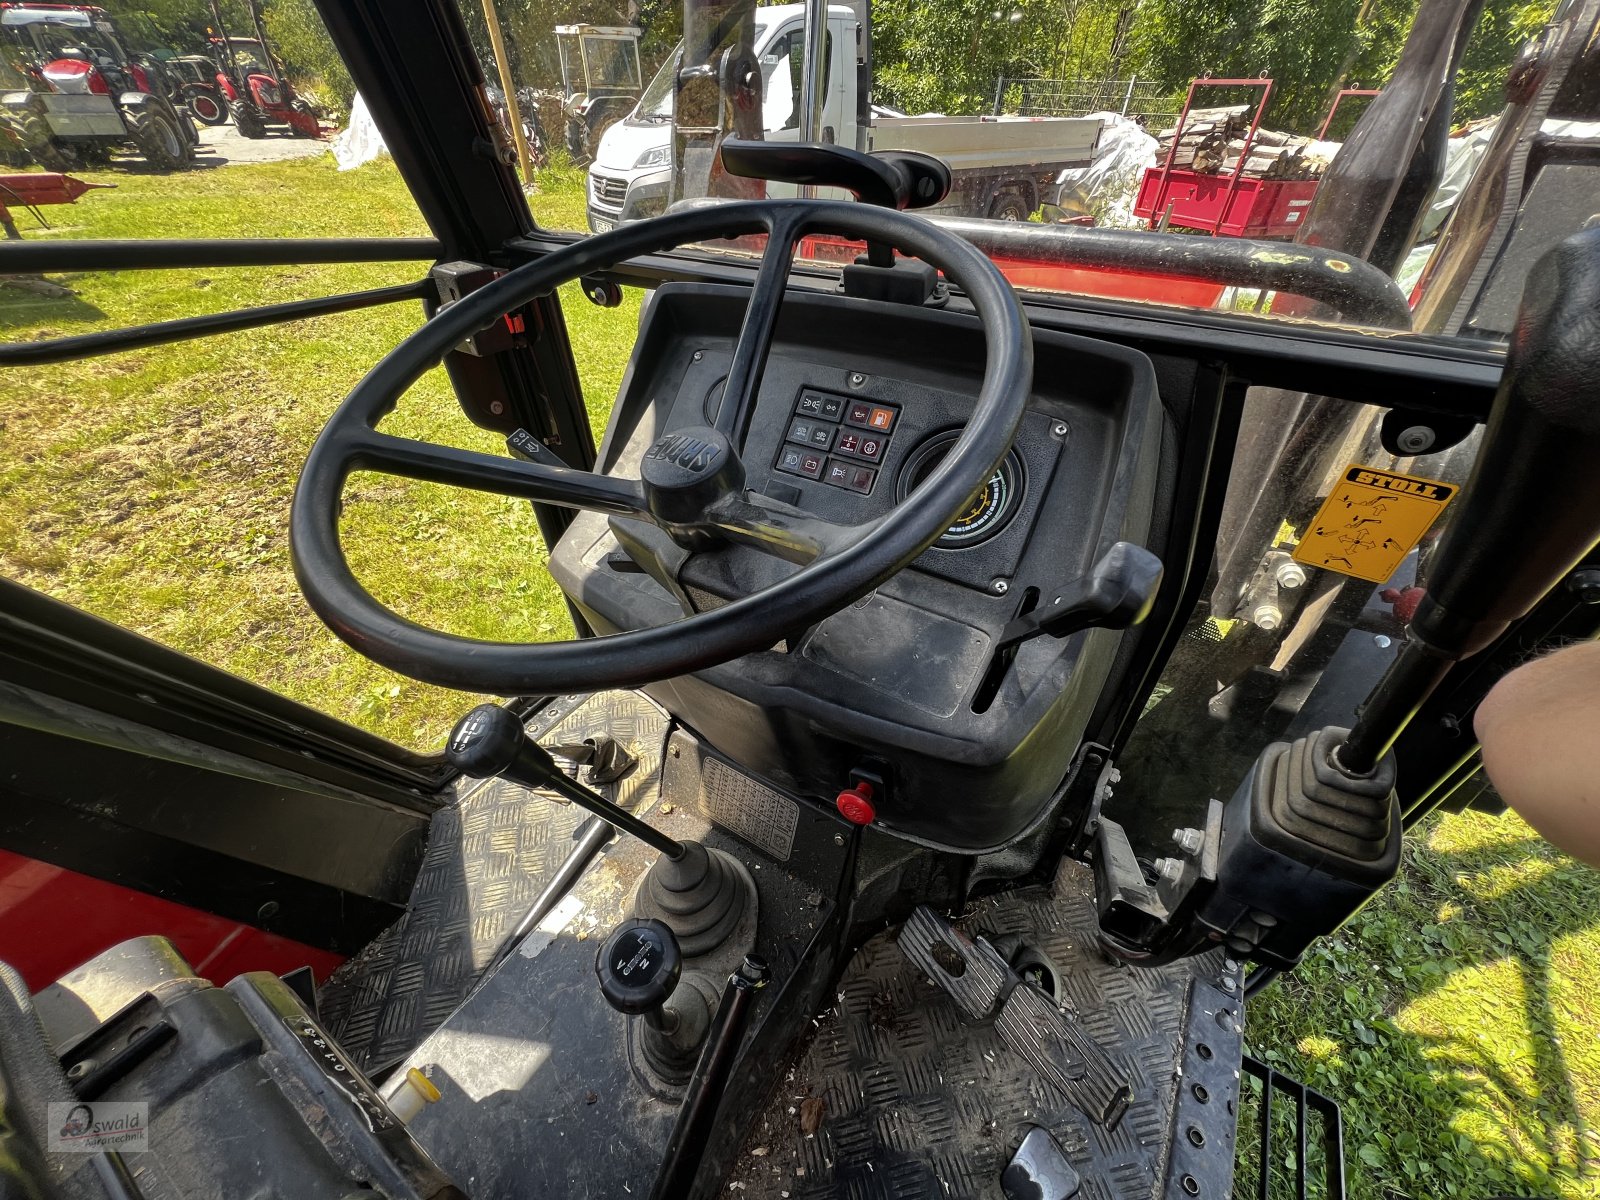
column 984, row 987
column 970, row 970
column 1064, row 1054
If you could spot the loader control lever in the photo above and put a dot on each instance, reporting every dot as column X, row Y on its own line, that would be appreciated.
column 1531, row 509
column 1314, row 829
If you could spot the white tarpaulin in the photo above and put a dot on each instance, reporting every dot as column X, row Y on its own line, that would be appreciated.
column 359, row 142
column 1108, row 186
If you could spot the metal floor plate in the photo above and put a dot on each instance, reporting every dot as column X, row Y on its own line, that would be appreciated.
column 916, row 1103
column 488, row 856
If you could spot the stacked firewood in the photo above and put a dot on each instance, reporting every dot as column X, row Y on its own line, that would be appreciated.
column 1214, row 140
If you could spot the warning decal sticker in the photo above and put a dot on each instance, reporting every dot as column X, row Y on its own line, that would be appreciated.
column 1370, row 522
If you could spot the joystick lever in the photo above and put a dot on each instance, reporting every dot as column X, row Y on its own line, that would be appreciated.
column 1315, row 828
column 1531, row 509
column 639, row 967
column 489, row 741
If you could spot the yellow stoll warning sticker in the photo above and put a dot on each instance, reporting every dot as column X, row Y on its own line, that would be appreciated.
column 1370, row 522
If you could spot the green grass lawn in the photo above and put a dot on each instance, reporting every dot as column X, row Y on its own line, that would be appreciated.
column 153, row 487
column 1455, row 1017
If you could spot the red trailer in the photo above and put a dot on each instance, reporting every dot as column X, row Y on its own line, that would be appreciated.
column 1232, row 204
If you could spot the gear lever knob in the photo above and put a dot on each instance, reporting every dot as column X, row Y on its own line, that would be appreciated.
column 639, row 966
column 490, row 740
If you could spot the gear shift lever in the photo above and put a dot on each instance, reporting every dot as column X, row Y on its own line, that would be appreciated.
column 700, row 894
column 489, row 741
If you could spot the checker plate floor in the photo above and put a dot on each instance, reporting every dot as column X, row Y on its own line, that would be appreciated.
column 488, row 856
column 915, row 1103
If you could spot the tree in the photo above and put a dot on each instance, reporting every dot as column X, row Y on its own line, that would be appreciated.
column 180, row 25
column 1310, row 47
column 950, row 56
column 302, row 40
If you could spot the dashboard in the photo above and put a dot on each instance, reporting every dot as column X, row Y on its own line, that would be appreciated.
column 858, row 403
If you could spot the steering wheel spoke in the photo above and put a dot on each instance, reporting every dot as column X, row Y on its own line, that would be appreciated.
column 755, row 334
column 540, row 482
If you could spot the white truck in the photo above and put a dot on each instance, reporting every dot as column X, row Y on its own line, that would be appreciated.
column 1002, row 167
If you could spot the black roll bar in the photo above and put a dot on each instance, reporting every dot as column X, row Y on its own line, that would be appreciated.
column 155, row 254
column 137, row 337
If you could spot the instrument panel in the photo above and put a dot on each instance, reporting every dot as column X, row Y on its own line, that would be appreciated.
column 859, row 402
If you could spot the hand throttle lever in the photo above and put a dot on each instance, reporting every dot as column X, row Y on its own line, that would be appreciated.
column 1530, row 510
column 1118, row 592
column 489, row 741
column 888, row 178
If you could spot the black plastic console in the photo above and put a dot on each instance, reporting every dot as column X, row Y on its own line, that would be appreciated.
column 974, row 739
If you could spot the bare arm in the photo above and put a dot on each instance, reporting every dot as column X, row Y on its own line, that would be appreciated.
column 1540, row 729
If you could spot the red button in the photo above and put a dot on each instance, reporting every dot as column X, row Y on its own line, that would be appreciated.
column 855, row 805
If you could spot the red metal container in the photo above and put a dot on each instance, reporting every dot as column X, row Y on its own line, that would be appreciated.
column 1222, row 204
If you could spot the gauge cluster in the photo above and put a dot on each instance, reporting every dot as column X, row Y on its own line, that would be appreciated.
column 878, row 446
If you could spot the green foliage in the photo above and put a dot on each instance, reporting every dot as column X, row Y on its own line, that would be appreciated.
column 529, row 28
column 1306, row 46
column 1311, row 48
column 126, row 489
column 1506, row 26
column 1453, row 1018
column 949, row 57
column 179, row 25
column 297, row 31
column 294, row 27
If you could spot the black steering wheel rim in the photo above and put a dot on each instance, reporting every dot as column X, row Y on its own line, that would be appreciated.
column 848, row 571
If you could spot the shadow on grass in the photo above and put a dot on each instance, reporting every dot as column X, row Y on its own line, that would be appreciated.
column 203, row 161
column 1444, row 1107
column 37, row 304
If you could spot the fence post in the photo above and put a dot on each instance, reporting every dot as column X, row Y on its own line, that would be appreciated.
column 999, row 92
column 1127, row 101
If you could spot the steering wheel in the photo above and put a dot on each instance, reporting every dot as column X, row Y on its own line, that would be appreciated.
column 691, row 481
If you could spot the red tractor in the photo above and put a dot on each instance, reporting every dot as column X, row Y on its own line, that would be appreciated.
column 83, row 95
column 253, row 80
column 260, row 94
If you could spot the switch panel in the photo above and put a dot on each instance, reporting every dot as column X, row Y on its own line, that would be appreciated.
column 856, row 431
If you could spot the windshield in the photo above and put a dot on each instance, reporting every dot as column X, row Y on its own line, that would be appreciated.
column 249, row 56
column 53, row 39
column 1091, row 144
column 656, row 102
column 613, row 62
